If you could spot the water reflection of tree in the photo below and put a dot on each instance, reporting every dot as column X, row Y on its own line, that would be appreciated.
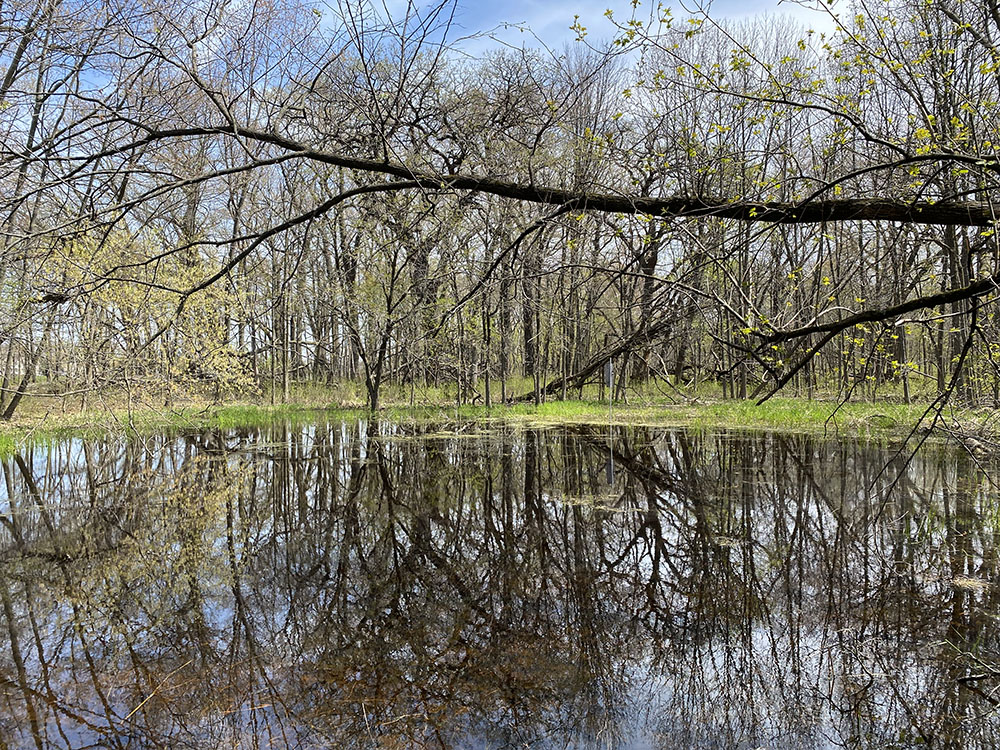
column 341, row 585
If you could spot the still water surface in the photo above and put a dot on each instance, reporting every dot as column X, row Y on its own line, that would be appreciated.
column 327, row 586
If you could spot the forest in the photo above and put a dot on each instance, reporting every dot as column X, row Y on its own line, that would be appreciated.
column 374, row 378
column 239, row 198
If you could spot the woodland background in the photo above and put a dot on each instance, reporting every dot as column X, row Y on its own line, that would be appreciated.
column 237, row 198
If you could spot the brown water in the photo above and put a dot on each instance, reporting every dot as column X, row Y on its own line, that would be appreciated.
column 324, row 587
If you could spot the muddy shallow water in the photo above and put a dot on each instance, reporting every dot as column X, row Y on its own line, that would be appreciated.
column 328, row 586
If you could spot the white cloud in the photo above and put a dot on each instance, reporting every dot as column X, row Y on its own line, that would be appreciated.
column 543, row 23
column 535, row 23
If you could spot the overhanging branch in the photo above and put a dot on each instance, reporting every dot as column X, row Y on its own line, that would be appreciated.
column 977, row 289
column 956, row 213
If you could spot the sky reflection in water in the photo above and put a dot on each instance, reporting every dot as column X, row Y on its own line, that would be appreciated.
column 330, row 587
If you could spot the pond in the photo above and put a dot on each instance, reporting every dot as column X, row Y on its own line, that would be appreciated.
column 355, row 585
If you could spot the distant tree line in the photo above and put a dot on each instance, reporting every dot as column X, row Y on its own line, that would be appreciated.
column 242, row 197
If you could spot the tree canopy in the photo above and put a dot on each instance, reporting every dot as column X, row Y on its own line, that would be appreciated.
column 245, row 195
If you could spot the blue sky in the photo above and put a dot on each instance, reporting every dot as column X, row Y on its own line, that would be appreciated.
column 550, row 21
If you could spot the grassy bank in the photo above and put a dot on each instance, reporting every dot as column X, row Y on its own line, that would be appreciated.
column 785, row 414
column 42, row 421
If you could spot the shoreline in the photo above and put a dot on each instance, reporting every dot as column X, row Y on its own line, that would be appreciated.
column 861, row 420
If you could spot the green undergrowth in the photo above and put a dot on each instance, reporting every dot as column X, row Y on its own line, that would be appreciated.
column 827, row 417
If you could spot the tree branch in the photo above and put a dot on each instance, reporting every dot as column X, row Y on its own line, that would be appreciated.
column 967, row 213
column 977, row 289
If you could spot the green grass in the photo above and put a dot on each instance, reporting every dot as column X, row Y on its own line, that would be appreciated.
column 785, row 414
column 39, row 421
column 146, row 420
